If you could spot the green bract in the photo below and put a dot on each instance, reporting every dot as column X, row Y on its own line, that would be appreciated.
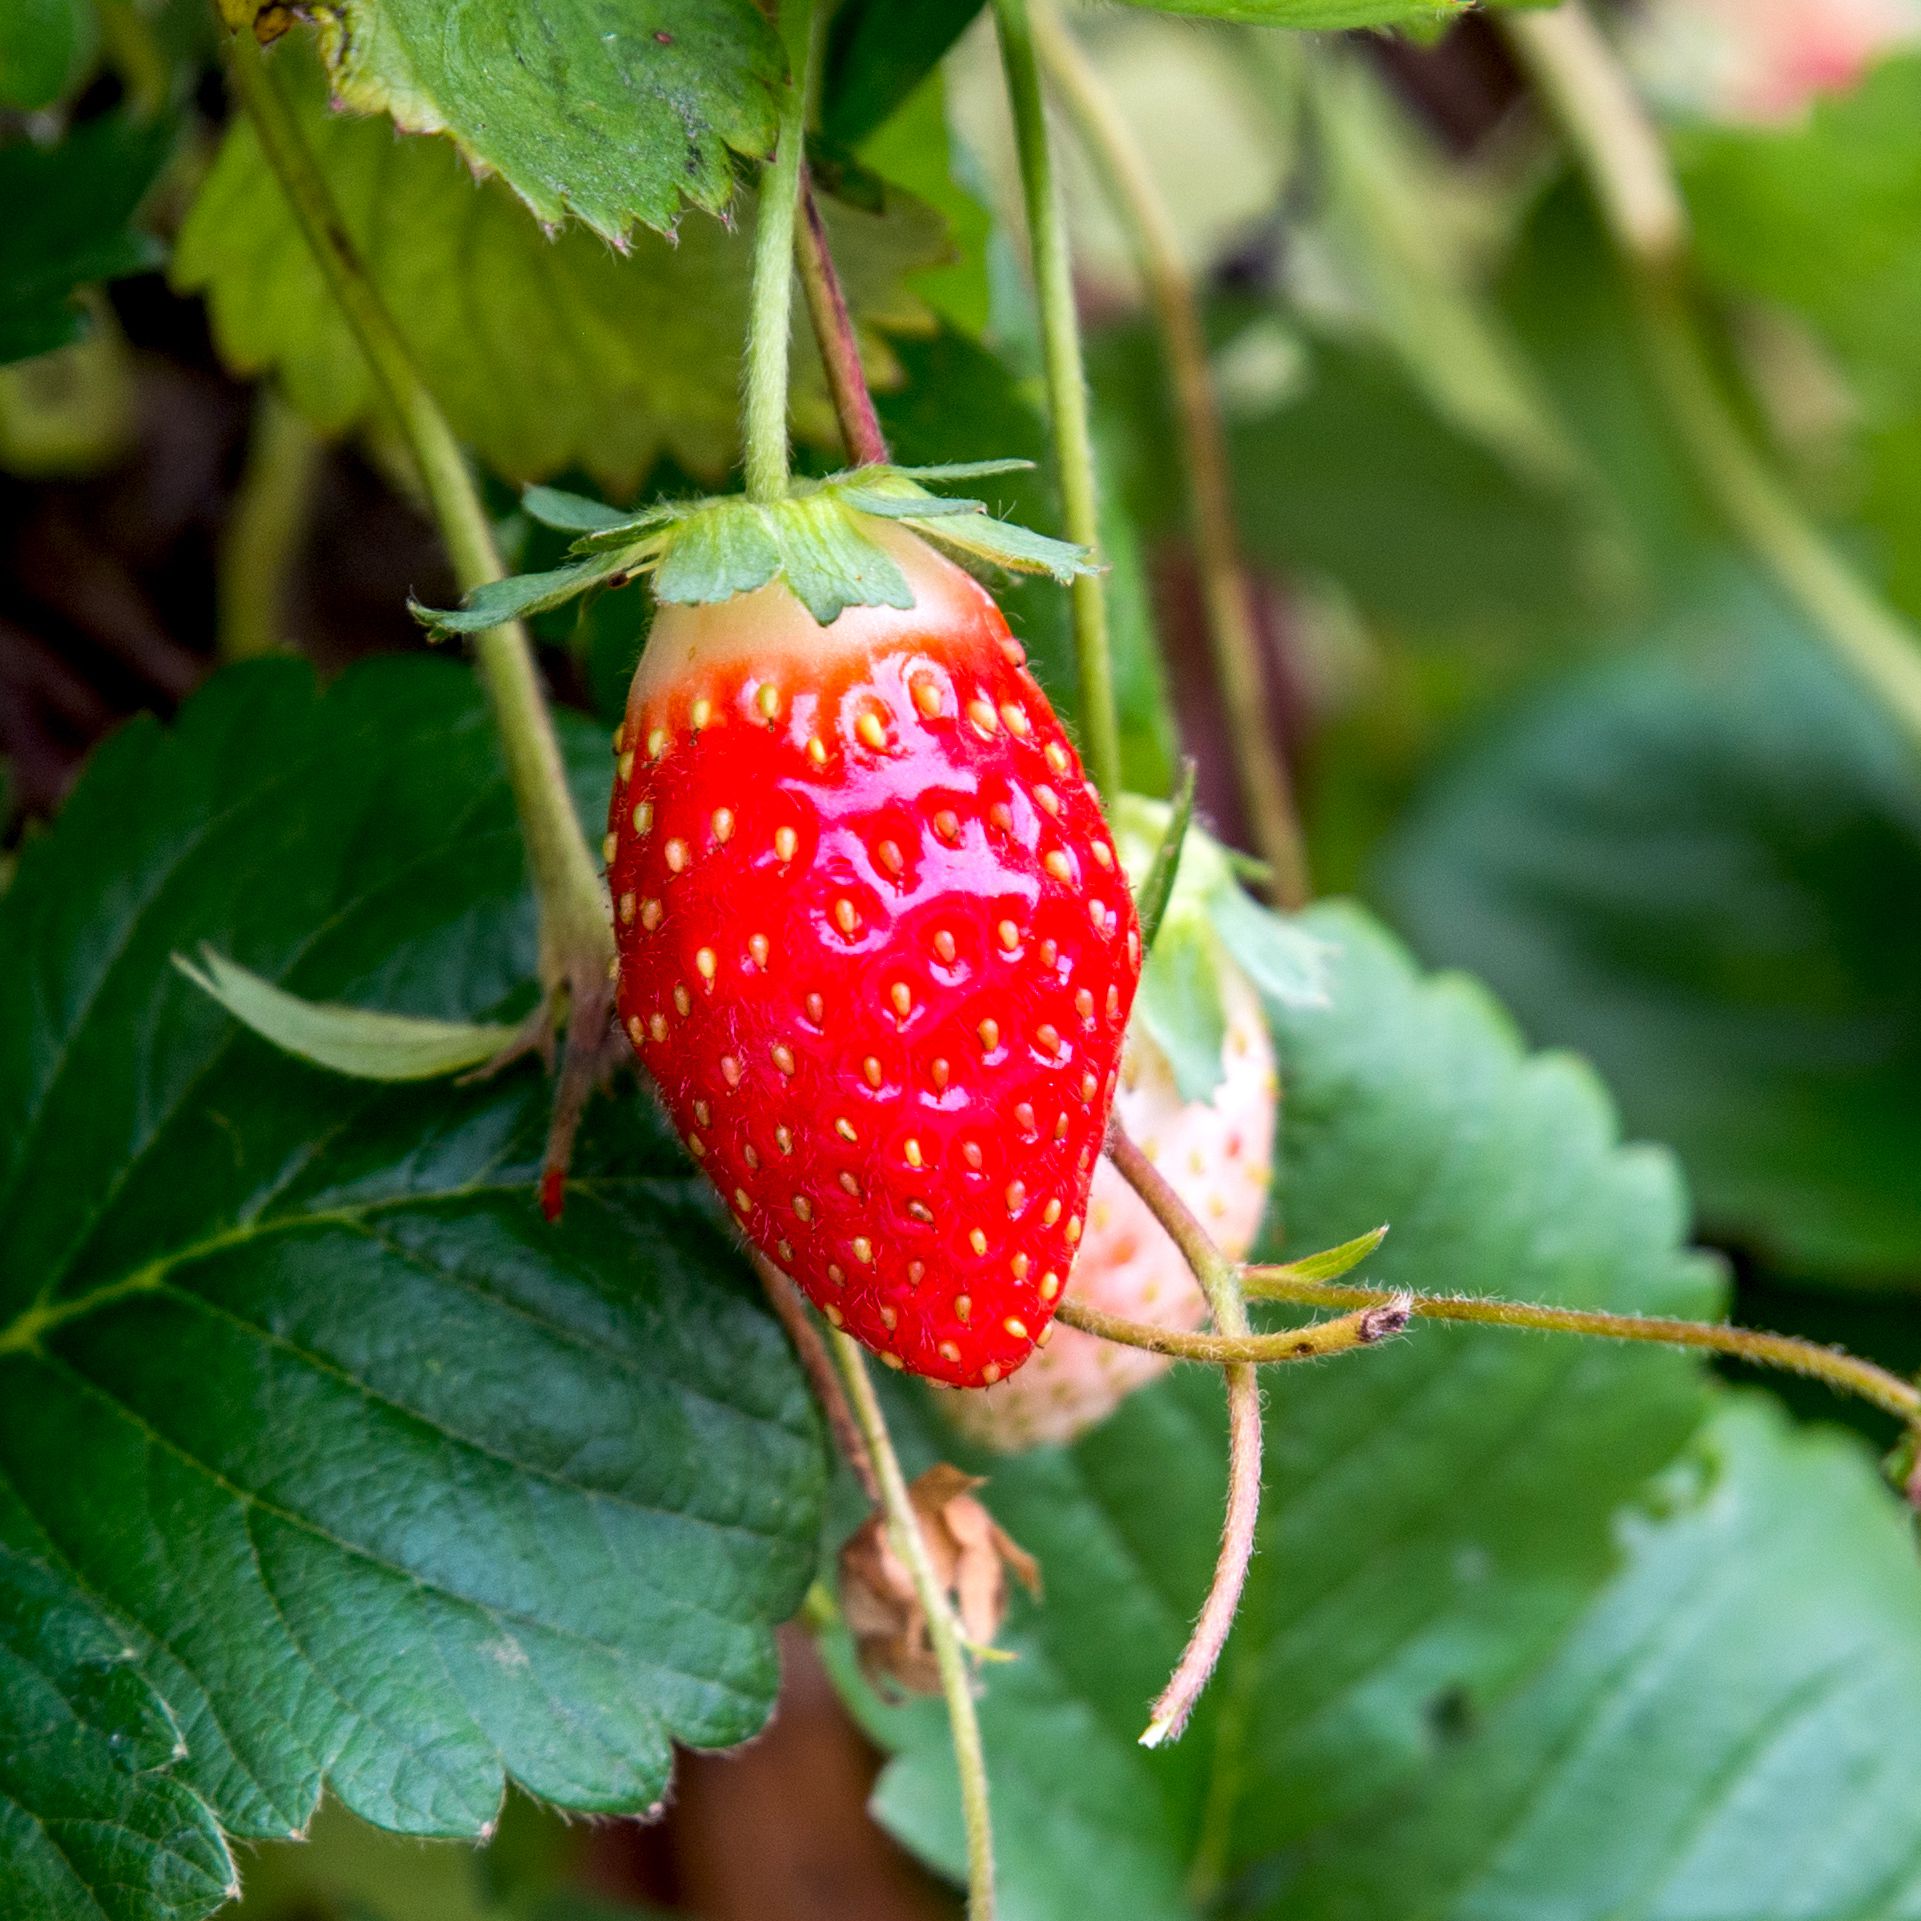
column 816, row 540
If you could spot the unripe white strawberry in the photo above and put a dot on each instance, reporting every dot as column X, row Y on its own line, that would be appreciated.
column 1219, row 1155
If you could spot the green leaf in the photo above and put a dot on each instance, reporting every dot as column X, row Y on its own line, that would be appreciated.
column 614, row 111
column 69, row 223
column 347, row 1040
column 1438, row 1512
column 46, row 47
column 1692, row 863
column 547, row 354
column 391, row 1486
column 1728, row 1731
column 92, row 1827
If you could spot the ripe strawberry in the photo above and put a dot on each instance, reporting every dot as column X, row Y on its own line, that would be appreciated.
column 878, row 953
column 1219, row 1155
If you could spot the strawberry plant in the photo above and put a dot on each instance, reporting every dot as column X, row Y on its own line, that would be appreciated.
column 729, row 1108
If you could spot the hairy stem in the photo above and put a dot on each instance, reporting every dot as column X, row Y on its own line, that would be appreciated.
column 1576, row 73
column 818, row 1366
column 576, row 938
column 1843, row 1372
column 1066, row 388
column 942, row 1629
column 1220, row 1281
column 834, row 331
column 1365, row 1327
column 770, row 316
column 1226, row 588
column 263, row 537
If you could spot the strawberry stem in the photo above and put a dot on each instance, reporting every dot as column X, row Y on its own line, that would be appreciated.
column 943, row 1631
column 771, row 300
column 1066, row 390
column 1227, row 591
column 576, row 939
column 1580, row 81
column 811, row 1351
column 1364, row 1327
column 1221, row 1282
column 1845, row 1373
column 833, row 325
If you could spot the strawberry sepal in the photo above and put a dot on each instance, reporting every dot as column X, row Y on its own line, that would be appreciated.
column 819, row 539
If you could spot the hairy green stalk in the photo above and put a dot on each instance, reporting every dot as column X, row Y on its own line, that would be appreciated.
column 770, row 320
column 1066, row 389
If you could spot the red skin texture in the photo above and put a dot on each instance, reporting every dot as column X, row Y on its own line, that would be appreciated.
column 857, row 980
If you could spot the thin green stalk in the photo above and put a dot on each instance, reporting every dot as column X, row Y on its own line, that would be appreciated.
column 1845, row 1373
column 1578, row 77
column 1220, row 1282
column 576, row 937
column 1226, row 589
column 262, row 540
column 770, row 317
column 943, row 1631
column 1066, row 388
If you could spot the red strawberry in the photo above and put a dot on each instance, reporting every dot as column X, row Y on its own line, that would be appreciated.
column 877, row 952
column 1218, row 1154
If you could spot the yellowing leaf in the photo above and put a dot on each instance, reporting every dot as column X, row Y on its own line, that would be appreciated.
column 547, row 354
column 613, row 110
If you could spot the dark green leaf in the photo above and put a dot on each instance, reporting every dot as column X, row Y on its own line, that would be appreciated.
column 92, row 1826
column 70, row 209
column 878, row 52
column 547, row 354
column 46, row 47
column 1695, row 865
column 1437, row 1512
column 389, row 1485
column 1727, row 1731
column 615, row 111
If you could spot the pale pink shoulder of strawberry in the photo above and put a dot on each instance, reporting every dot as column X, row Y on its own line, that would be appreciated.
column 1219, row 1156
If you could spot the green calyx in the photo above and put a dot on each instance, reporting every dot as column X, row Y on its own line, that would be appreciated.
column 819, row 539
